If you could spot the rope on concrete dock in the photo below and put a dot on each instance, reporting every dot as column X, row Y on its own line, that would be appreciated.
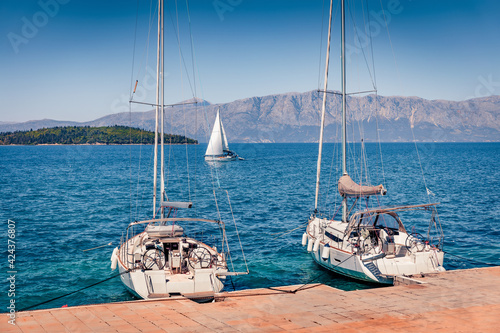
column 74, row 292
column 318, row 276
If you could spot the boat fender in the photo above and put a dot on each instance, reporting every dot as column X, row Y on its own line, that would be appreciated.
column 114, row 258
column 304, row 239
column 309, row 245
column 316, row 245
column 326, row 252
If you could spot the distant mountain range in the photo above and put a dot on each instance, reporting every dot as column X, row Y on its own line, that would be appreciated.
column 294, row 117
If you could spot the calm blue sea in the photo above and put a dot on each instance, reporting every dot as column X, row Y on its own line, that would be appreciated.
column 65, row 199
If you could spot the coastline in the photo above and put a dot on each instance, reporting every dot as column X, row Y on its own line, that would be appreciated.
column 99, row 144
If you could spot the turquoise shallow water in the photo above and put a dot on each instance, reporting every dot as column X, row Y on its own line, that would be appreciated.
column 68, row 198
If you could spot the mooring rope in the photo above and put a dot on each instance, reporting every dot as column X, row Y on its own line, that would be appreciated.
column 281, row 234
column 471, row 260
column 320, row 275
column 98, row 247
column 74, row 292
column 237, row 234
column 311, row 280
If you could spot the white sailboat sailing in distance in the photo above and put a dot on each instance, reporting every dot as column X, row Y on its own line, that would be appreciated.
column 218, row 149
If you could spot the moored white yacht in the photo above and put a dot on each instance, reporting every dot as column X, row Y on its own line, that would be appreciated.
column 156, row 258
column 370, row 244
column 162, row 261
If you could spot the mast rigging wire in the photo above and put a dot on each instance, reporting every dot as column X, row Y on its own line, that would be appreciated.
column 362, row 49
column 364, row 168
column 411, row 125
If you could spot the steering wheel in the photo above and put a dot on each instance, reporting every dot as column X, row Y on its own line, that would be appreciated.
column 200, row 258
column 153, row 259
column 415, row 242
column 371, row 243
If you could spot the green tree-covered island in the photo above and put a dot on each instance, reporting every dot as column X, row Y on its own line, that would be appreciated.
column 78, row 135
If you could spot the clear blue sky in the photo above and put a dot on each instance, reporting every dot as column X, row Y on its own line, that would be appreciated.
column 72, row 59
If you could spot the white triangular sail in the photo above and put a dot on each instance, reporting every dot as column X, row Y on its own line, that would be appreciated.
column 225, row 146
column 215, row 145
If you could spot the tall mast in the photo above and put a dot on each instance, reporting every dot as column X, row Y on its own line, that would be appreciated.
column 158, row 54
column 344, row 122
column 162, row 81
column 323, row 108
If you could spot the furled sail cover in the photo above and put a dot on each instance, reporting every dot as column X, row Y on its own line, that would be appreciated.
column 349, row 188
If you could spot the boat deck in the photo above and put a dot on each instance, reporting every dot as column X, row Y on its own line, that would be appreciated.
column 453, row 301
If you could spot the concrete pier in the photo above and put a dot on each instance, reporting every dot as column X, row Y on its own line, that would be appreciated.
column 453, row 301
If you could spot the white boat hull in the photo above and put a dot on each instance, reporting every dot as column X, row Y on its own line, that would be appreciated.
column 371, row 244
column 168, row 281
column 148, row 284
column 209, row 158
column 376, row 267
column 161, row 261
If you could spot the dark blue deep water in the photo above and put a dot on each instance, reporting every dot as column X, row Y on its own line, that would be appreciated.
column 65, row 199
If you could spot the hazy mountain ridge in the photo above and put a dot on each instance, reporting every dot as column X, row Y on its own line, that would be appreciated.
column 294, row 117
